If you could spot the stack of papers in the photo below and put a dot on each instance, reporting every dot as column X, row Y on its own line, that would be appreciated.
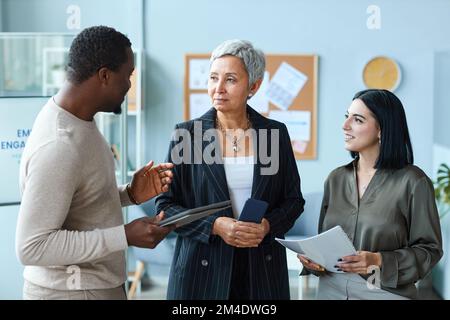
column 324, row 249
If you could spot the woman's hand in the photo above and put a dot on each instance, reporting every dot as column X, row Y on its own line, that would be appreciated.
column 240, row 234
column 308, row 264
column 360, row 263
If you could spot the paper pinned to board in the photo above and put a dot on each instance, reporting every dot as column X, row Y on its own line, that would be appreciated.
column 298, row 123
column 198, row 74
column 285, row 85
column 324, row 249
column 299, row 146
column 199, row 103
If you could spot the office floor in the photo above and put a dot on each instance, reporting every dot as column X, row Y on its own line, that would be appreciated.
column 155, row 288
column 158, row 288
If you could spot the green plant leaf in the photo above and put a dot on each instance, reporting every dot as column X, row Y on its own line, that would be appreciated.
column 447, row 190
column 442, row 188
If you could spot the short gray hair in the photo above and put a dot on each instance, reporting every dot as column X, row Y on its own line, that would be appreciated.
column 253, row 59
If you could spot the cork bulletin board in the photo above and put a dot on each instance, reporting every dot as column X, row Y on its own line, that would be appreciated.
column 287, row 94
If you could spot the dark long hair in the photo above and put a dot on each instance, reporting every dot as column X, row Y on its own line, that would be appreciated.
column 395, row 146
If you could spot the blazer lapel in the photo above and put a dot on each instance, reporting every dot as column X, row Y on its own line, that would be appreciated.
column 260, row 182
column 215, row 172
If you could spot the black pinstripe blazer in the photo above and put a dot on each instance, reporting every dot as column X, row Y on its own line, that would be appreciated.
column 202, row 262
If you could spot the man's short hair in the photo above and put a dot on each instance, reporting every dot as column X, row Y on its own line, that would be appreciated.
column 94, row 48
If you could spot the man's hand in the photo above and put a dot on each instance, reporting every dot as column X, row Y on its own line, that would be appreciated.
column 149, row 181
column 145, row 233
column 240, row 234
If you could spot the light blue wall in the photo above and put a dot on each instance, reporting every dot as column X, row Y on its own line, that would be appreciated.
column 1, row 15
column 410, row 32
column 51, row 16
column 442, row 99
column 11, row 280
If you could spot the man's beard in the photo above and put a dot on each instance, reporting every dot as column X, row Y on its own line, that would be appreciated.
column 118, row 109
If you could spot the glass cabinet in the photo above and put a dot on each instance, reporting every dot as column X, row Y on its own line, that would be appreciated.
column 32, row 64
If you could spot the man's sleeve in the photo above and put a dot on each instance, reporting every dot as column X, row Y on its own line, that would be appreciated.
column 51, row 180
column 125, row 200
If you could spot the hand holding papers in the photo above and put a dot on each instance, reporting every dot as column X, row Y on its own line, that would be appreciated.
column 324, row 249
column 191, row 215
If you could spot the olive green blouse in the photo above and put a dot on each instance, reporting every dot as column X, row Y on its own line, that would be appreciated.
column 396, row 216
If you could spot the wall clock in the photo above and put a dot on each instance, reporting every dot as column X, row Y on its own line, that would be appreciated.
column 382, row 73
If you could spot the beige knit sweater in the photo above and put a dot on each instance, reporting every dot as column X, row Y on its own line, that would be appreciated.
column 71, row 205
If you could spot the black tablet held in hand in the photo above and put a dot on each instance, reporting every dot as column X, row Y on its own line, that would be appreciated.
column 253, row 211
column 191, row 215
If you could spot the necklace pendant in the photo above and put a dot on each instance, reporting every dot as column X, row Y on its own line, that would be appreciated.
column 235, row 147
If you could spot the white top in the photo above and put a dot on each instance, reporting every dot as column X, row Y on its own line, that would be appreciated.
column 71, row 206
column 239, row 173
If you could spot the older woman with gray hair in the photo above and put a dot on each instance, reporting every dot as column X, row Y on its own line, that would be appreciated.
column 220, row 256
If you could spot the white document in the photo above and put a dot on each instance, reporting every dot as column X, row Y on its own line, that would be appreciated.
column 324, row 249
column 285, row 85
column 199, row 103
column 298, row 123
column 260, row 102
column 198, row 73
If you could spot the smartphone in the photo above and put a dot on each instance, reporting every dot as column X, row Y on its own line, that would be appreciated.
column 253, row 210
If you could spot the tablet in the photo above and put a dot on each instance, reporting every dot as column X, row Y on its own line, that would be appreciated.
column 191, row 215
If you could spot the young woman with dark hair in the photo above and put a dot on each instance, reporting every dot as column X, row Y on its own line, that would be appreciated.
column 383, row 202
